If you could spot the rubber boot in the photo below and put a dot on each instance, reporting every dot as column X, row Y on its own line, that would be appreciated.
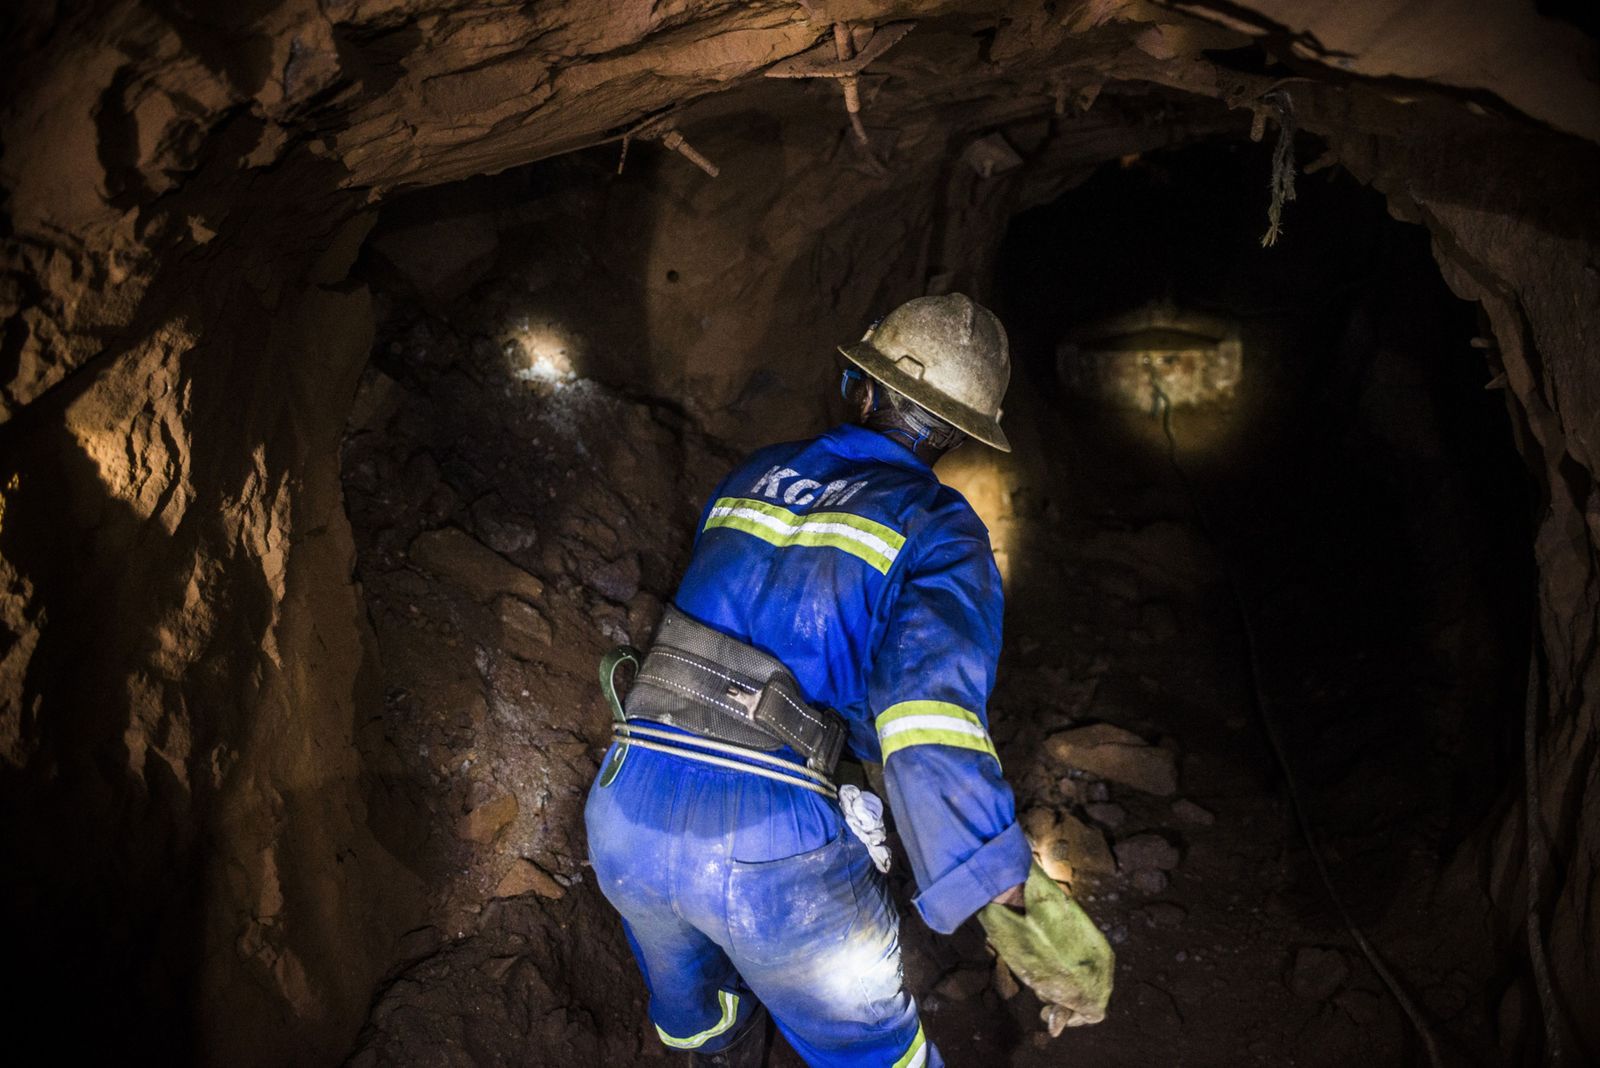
column 749, row 1050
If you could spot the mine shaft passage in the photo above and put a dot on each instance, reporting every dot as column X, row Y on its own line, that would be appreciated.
column 374, row 375
column 1249, row 482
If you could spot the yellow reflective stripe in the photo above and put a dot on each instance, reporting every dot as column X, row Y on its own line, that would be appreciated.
column 730, row 1013
column 917, row 1055
column 864, row 539
column 807, row 539
column 892, row 539
column 931, row 723
column 908, row 709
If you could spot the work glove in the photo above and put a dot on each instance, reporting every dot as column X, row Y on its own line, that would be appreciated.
column 1054, row 948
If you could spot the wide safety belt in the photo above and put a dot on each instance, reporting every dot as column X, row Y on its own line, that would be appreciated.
column 734, row 700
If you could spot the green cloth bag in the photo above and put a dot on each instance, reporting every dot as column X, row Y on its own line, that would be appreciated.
column 1054, row 948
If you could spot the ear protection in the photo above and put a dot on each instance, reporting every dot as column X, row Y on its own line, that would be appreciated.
column 916, row 426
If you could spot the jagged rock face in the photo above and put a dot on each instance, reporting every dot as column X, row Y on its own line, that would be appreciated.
column 186, row 189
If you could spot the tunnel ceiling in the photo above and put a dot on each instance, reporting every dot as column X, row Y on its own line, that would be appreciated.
column 146, row 127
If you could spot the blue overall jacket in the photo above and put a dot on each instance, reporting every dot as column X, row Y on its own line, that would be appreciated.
column 847, row 559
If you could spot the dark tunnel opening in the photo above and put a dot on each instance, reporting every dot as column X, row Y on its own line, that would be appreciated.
column 1355, row 460
column 1316, row 423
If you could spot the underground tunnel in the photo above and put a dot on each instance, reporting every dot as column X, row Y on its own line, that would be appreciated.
column 368, row 368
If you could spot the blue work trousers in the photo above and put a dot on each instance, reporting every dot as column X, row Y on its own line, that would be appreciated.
column 735, row 889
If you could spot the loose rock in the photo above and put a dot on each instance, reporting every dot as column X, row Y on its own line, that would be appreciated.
column 500, row 530
column 440, row 258
column 1146, row 852
column 1038, row 824
column 1005, row 984
column 525, row 632
column 524, row 876
column 615, row 581
column 644, row 613
column 1150, row 882
column 458, row 556
column 1109, row 752
column 1108, row 814
column 963, row 983
column 1072, row 848
column 484, row 823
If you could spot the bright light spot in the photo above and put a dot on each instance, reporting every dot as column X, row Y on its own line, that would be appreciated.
column 989, row 481
column 541, row 351
column 1156, row 354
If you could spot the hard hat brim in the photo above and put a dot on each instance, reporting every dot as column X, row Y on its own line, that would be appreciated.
column 972, row 423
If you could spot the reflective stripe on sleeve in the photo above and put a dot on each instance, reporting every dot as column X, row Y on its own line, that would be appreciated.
column 917, row 1055
column 931, row 723
column 864, row 539
column 730, row 1013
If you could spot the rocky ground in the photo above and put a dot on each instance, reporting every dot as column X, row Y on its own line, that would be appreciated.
column 511, row 526
column 1124, row 719
column 514, row 519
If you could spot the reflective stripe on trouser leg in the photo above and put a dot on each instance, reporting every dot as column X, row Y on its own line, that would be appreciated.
column 916, row 1055
column 730, row 1013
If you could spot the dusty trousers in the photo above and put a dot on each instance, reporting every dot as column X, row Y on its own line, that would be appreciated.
column 734, row 889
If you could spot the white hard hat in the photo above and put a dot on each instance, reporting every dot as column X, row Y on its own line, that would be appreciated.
column 946, row 353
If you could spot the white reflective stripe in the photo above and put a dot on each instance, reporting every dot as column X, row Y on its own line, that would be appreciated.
column 773, row 523
column 933, row 722
column 919, row 1058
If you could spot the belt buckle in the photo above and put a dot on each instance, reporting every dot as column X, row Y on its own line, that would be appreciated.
column 745, row 697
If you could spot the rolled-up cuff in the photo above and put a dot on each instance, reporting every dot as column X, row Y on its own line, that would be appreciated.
column 999, row 864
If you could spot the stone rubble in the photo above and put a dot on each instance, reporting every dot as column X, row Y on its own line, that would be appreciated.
column 1115, row 754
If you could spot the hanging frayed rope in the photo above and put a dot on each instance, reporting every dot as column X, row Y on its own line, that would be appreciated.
column 1281, row 181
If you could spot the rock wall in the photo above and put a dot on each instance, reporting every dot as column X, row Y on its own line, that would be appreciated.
column 185, row 189
column 1529, row 257
column 186, row 663
column 1524, row 249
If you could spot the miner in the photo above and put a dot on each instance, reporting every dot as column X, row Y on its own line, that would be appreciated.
column 839, row 600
